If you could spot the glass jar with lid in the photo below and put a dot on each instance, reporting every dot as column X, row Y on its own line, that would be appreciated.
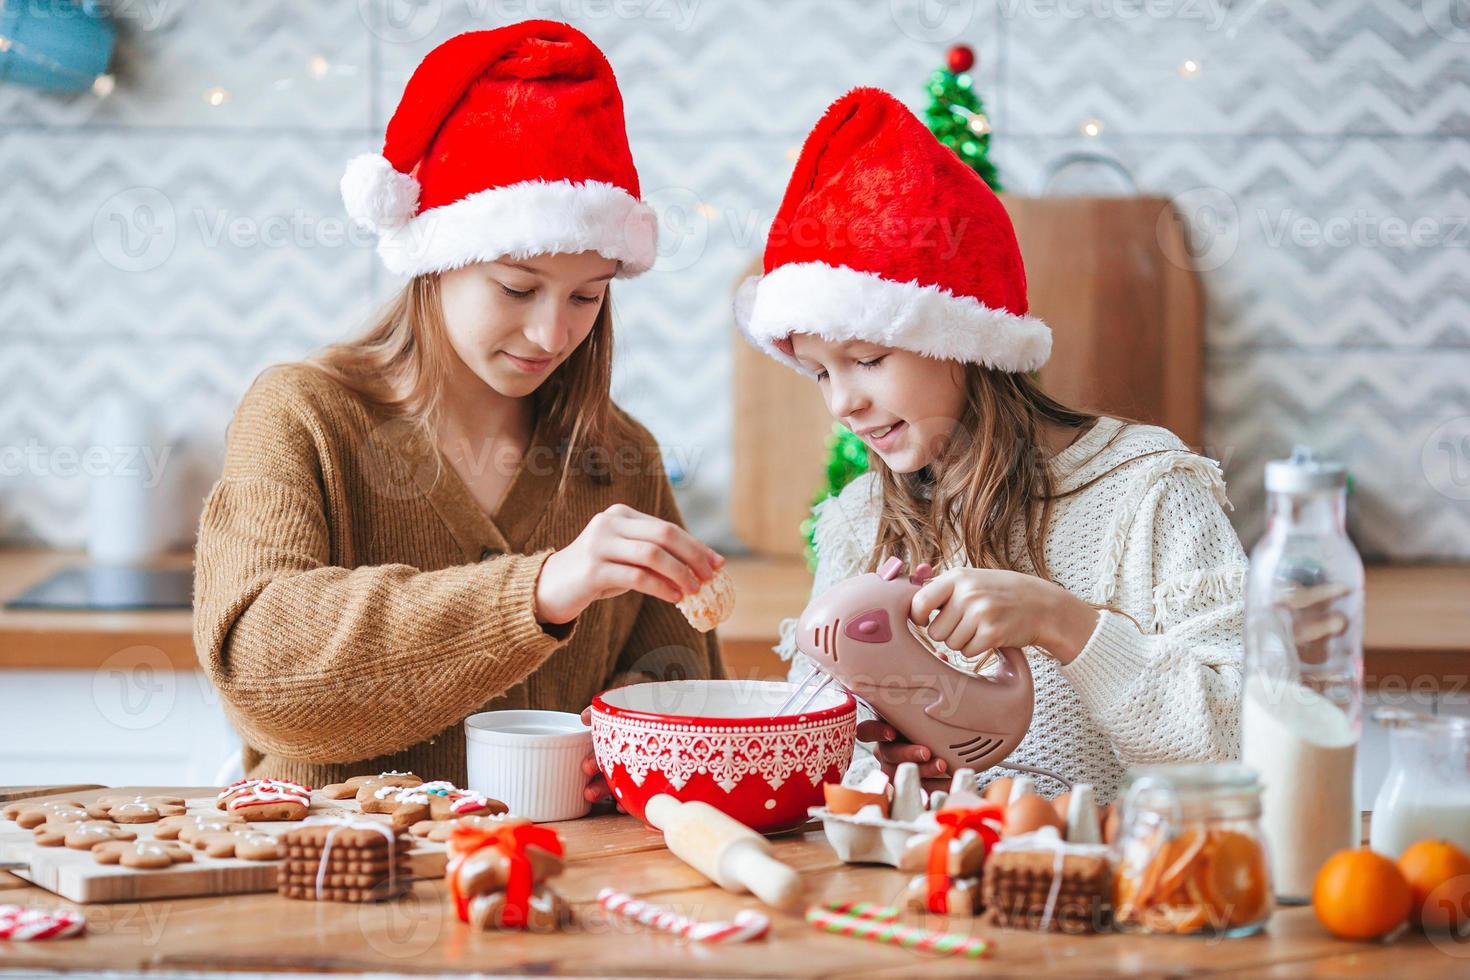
column 1427, row 791
column 1192, row 857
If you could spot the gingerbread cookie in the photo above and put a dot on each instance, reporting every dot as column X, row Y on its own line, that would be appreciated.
column 345, row 860
column 545, row 911
column 175, row 828
column 266, row 799
column 240, row 842
column 82, row 835
column 144, row 855
column 32, row 815
column 362, row 787
column 712, row 604
column 438, row 800
column 135, row 809
column 497, row 876
column 440, row 831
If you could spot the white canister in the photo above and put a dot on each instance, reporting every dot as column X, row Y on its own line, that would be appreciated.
column 531, row 761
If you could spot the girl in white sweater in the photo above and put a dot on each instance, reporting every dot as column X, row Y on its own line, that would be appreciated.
column 1100, row 547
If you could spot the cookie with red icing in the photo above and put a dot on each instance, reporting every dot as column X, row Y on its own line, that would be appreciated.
column 439, row 800
column 265, row 799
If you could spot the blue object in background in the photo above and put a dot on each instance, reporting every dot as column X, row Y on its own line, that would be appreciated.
column 60, row 46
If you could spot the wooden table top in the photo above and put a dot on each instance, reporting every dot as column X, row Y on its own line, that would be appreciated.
column 419, row 933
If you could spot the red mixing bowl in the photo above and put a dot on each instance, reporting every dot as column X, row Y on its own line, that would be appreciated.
column 719, row 742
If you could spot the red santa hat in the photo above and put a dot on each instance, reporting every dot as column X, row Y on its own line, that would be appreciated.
column 885, row 235
column 509, row 142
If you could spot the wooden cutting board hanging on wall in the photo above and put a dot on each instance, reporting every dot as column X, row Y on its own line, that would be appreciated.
column 1110, row 275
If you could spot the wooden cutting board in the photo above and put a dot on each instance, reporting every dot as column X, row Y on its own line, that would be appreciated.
column 76, row 875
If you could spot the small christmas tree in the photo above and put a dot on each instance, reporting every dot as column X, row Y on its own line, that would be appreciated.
column 956, row 115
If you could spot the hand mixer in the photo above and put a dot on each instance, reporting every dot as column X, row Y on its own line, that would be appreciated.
column 859, row 634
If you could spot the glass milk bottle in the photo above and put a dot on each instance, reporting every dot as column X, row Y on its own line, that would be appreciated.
column 1301, row 716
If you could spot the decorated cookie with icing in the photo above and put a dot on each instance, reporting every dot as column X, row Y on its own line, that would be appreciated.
column 440, row 831
column 365, row 786
column 82, row 835
column 265, row 799
column 144, row 855
column 32, row 815
column 175, row 828
column 439, row 800
column 241, row 842
column 136, row 809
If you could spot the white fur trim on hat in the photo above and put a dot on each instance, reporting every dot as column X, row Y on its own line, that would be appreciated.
column 521, row 220
column 376, row 194
column 839, row 304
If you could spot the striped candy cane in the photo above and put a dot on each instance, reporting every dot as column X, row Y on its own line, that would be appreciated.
column 21, row 923
column 946, row 943
column 748, row 924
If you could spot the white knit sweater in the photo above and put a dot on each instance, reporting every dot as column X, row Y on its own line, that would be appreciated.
column 1151, row 538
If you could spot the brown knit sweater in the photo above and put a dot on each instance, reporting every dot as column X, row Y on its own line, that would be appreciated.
column 352, row 610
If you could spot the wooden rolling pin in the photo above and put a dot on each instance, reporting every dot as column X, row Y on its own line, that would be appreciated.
column 724, row 850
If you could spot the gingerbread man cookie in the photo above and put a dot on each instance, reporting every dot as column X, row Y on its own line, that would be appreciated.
column 175, row 828
column 438, row 800
column 136, row 809
column 149, row 855
column 440, row 831
column 265, row 799
column 363, row 787
column 83, row 835
column 32, row 815
column 240, row 842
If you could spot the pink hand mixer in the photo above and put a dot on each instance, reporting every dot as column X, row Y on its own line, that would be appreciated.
column 859, row 634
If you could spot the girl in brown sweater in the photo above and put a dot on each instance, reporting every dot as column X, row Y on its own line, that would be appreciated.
column 449, row 514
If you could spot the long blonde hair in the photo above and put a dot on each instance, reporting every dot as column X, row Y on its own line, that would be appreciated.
column 401, row 361
column 990, row 473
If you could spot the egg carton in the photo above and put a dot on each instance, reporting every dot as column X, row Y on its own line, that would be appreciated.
column 868, row 837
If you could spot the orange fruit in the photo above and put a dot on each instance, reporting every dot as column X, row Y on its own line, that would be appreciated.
column 1437, row 864
column 1360, row 894
column 1235, row 880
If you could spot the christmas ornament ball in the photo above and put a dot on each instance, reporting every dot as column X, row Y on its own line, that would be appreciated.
column 961, row 57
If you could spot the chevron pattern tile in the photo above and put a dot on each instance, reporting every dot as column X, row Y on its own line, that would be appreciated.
column 169, row 248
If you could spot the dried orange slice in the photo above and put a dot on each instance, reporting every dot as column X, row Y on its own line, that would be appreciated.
column 1234, row 877
column 1182, row 853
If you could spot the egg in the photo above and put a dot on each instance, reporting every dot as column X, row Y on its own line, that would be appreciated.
column 1110, row 822
column 1062, row 804
column 1029, row 813
column 999, row 791
column 846, row 800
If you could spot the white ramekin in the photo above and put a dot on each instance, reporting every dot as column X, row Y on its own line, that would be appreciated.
column 531, row 761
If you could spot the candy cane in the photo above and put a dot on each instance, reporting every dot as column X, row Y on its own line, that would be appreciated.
column 947, row 943
column 22, row 924
column 863, row 910
column 748, row 924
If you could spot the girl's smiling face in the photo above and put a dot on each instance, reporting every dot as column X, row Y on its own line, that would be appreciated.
column 512, row 322
column 903, row 405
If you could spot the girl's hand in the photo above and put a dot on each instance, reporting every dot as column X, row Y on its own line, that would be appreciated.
column 891, row 751
column 597, row 790
column 983, row 609
column 622, row 550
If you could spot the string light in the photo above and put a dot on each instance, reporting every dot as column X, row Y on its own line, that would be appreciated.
column 103, row 85
column 1190, row 68
column 216, row 96
column 1091, row 127
column 319, row 66
column 4, row 44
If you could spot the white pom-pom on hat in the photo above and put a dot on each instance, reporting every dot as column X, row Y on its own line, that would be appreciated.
column 377, row 194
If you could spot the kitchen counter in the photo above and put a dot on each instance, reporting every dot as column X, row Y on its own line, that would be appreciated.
column 1417, row 628
column 419, row 933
